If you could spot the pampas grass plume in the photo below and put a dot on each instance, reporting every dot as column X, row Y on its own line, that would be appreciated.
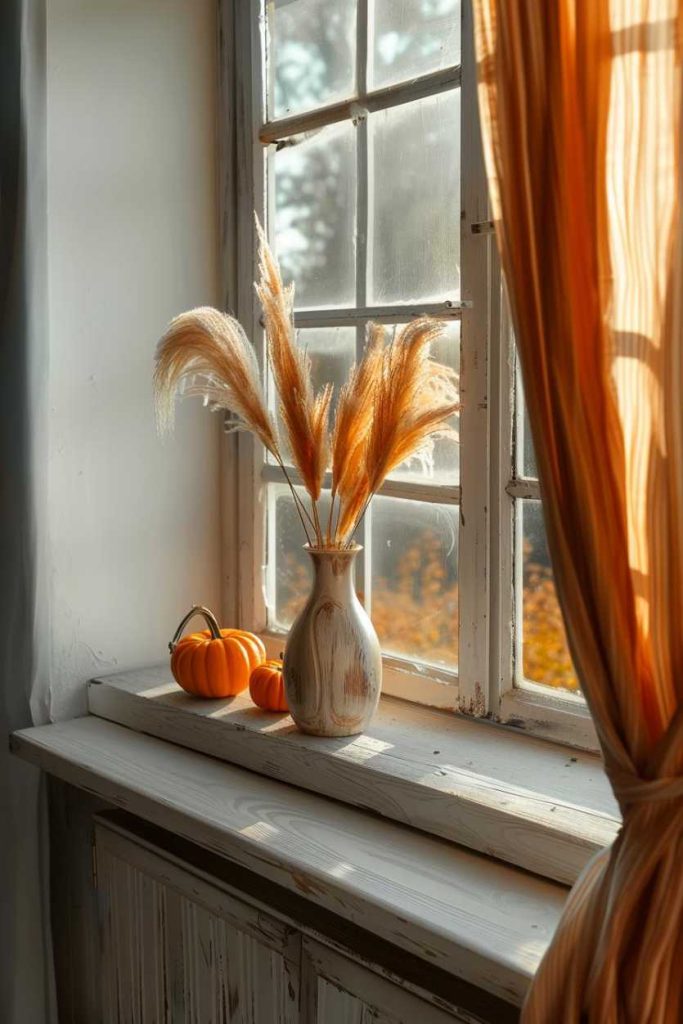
column 395, row 402
column 304, row 414
column 205, row 352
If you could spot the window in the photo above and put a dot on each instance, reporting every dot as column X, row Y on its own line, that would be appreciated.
column 533, row 681
column 358, row 144
column 543, row 657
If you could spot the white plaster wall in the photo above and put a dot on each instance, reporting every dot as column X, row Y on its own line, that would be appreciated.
column 133, row 527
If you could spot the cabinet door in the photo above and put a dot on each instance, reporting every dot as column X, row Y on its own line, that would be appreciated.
column 340, row 991
column 176, row 948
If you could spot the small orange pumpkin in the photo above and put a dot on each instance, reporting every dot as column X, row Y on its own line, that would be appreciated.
column 216, row 662
column 267, row 688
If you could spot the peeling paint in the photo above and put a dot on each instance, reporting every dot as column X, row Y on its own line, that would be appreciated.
column 474, row 706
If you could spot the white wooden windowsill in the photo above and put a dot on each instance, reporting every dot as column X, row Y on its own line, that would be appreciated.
column 541, row 806
column 478, row 919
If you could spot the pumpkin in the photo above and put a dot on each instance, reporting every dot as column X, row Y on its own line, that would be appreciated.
column 267, row 688
column 216, row 662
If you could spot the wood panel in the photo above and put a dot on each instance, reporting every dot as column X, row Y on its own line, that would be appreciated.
column 428, row 983
column 479, row 920
column 333, row 1004
column 177, row 950
column 340, row 991
column 546, row 808
column 73, row 903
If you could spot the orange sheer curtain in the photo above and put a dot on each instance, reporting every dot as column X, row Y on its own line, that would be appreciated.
column 581, row 106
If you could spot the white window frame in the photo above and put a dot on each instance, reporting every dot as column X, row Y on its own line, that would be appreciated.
column 485, row 681
column 554, row 715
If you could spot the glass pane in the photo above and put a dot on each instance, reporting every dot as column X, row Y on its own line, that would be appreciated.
column 415, row 579
column 288, row 575
column 546, row 656
column 526, row 456
column 333, row 352
column 445, row 465
column 414, row 213
column 413, row 37
column 315, row 209
column 529, row 468
column 312, row 53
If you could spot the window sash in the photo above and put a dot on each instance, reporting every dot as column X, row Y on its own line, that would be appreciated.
column 488, row 486
column 558, row 715
column 252, row 468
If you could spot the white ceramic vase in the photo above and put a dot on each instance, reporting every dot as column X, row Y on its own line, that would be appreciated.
column 332, row 663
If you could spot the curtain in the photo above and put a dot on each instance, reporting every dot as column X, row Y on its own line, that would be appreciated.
column 26, row 982
column 580, row 103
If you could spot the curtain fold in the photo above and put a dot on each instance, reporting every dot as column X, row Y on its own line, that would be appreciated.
column 580, row 103
column 26, row 977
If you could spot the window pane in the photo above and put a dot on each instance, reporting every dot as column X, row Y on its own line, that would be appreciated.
column 289, row 575
column 529, row 468
column 312, row 53
column 315, row 209
column 546, row 657
column 526, row 456
column 414, row 198
column 415, row 579
column 445, row 467
column 413, row 37
column 332, row 351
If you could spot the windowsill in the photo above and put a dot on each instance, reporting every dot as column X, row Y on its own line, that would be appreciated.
column 535, row 710
column 437, row 685
column 538, row 711
column 477, row 919
column 540, row 806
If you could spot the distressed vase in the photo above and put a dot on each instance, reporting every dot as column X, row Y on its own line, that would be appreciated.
column 332, row 666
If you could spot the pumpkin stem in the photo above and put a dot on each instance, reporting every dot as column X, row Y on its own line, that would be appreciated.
column 209, row 617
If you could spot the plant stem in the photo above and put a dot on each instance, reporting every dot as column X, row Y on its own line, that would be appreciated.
column 329, row 518
column 359, row 519
column 318, row 528
column 298, row 503
column 335, row 530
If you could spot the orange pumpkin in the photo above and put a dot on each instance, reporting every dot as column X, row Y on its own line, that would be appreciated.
column 216, row 662
column 267, row 688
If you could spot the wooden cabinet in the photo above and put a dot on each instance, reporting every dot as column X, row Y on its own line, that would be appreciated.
column 178, row 948
column 339, row 991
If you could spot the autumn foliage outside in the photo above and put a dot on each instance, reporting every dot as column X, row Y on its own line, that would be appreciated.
column 415, row 611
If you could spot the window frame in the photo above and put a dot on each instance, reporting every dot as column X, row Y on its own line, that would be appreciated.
column 485, row 681
column 554, row 715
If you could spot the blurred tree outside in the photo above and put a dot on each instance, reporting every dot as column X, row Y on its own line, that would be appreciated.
column 420, row 577
column 545, row 654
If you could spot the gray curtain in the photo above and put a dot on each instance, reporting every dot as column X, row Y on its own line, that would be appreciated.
column 25, row 962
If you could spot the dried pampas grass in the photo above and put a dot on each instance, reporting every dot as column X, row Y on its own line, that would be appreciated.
column 352, row 425
column 305, row 415
column 394, row 404
column 204, row 352
column 411, row 399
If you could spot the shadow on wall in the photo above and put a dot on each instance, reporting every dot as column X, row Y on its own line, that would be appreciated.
column 25, row 983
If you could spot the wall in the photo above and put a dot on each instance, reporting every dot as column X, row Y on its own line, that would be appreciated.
column 108, row 227
column 133, row 529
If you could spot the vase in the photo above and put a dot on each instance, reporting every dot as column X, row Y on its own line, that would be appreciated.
column 332, row 666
